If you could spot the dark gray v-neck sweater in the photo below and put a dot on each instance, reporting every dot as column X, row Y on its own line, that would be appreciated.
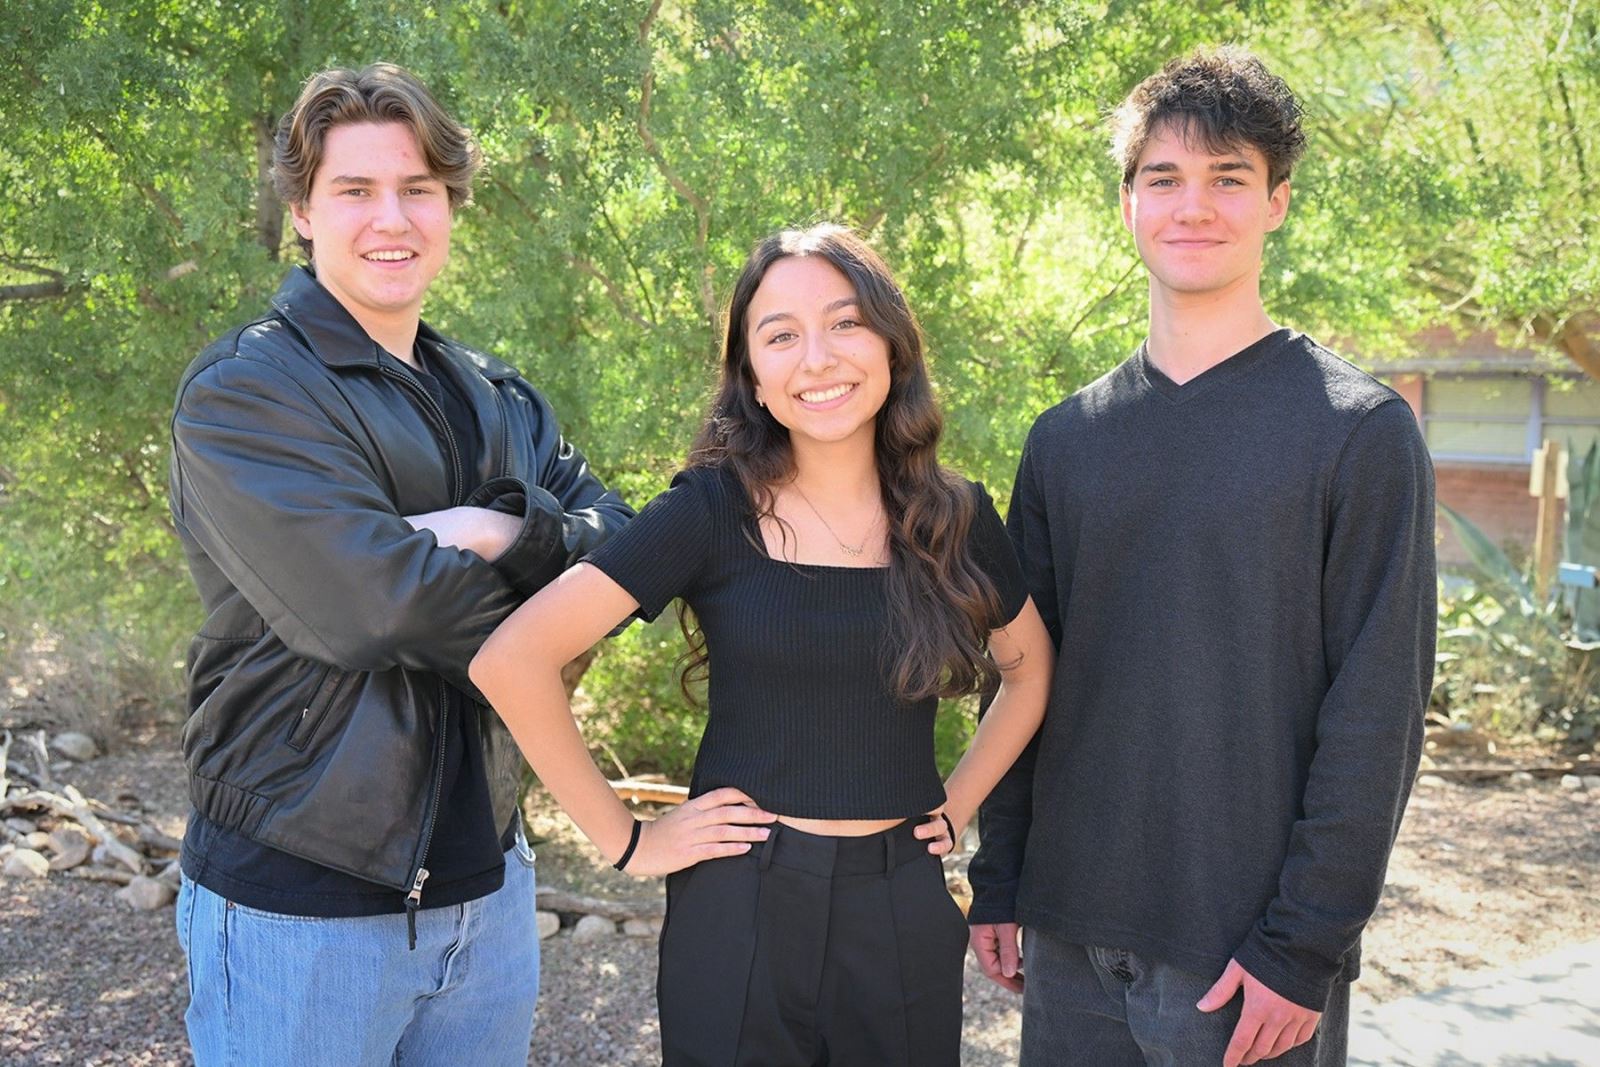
column 1239, row 575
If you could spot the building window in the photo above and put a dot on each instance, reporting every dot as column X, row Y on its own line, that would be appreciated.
column 1502, row 418
column 1572, row 413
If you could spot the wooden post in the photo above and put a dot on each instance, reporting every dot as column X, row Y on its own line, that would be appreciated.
column 1546, row 489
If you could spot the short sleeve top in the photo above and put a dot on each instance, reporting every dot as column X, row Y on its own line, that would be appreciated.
column 802, row 716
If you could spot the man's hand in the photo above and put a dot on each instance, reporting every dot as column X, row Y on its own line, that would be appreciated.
column 1269, row 1025
column 997, row 947
column 481, row 530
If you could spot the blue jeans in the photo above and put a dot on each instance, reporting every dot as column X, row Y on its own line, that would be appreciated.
column 278, row 989
column 1111, row 1008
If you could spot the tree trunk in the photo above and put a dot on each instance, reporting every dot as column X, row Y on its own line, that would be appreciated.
column 269, row 210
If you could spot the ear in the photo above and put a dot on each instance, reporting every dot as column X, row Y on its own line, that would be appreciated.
column 1126, row 196
column 302, row 220
column 1278, row 206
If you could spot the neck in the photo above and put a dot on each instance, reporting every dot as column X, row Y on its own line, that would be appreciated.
column 395, row 331
column 1191, row 333
column 840, row 471
column 397, row 339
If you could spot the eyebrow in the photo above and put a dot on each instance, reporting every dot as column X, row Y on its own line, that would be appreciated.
column 842, row 302
column 361, row 179
column 1221, row 166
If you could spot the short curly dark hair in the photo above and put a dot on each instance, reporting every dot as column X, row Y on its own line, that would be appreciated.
column 1222, row 97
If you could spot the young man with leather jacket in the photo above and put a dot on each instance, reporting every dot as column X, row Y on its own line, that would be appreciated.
column 361, row 501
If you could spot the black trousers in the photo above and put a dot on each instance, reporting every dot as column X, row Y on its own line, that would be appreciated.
column 809, row 950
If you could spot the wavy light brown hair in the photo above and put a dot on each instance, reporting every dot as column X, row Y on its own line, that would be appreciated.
column 1221, row 98
column 380, row 92
column 941, row 603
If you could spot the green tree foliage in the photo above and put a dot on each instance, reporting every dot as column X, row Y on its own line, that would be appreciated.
column 637, row 149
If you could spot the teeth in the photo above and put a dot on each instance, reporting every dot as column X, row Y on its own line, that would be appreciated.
column 388, row 257
column 825, row 395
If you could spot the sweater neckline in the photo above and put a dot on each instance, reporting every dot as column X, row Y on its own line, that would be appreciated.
column 1208, row 379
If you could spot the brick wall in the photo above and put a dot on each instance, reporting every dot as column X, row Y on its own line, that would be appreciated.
column 1495, row 497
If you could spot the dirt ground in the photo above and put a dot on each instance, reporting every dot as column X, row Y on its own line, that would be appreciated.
column 1484, row 875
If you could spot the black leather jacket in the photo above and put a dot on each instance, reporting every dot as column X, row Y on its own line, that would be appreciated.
column 318, row 683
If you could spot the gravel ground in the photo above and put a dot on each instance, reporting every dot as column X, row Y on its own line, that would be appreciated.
column 1484, row 876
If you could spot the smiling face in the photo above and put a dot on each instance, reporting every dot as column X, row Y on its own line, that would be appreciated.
column 820, row 372
column 379, row 223
column 1200, row 218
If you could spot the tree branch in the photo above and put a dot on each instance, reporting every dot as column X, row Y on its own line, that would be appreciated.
column 34, row 291
column 936, row 157
column 1577, row 336
column 627, row 257
column 580, row 264
column 32, row 268
column 702, row 207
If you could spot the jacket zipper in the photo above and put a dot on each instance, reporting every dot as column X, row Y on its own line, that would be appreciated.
column 505, row 429
column 435, row 412
column 414, row 896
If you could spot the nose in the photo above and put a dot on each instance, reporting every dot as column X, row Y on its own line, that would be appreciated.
column 1194, row 204
column 818, row 355
column 389, row 214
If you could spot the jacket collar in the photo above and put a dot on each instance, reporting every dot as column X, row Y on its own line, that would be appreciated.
column 338, row 340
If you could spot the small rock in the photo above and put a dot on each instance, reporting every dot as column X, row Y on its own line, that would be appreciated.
column 1430, row 781
column 146, row 894
column 638, row 928
column 71, row 846
column 1521, row 778
column 26, row 863
column 1590, row 781
column 549, row 923
column 1571, row 781
column 75, row 746
column 37, row 840
column 593, row 927
column 21, row 825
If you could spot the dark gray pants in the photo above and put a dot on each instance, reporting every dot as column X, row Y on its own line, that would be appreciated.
column 812, row 950
column 1110, row 1008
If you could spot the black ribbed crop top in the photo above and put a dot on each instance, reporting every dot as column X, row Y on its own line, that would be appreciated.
column 802, row 717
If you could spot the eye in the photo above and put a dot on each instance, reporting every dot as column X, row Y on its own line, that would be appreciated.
column 846, row 323
column 780, row 337
column 1159, row 183
column 419, row 190
column 1230, row 181
column 354, row 191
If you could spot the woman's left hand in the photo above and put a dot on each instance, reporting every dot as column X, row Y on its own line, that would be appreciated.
column 939, row 831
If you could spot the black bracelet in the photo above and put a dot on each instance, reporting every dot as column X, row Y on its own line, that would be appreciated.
column 633, row 843
column 948, row 825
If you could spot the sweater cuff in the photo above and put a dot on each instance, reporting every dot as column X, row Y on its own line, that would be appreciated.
column 993, row 904
column 1298, row 976
column 534, row 557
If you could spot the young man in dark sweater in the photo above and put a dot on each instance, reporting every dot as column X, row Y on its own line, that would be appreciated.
column 1230, row 538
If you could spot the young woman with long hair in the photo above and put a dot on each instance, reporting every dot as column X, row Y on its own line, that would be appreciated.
column 840, row 582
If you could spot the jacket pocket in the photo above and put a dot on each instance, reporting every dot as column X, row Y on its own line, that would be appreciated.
column 312, row 713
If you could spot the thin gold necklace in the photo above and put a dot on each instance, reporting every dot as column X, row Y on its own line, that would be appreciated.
column 853, row 551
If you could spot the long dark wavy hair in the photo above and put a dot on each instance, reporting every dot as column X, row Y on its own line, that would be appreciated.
column 941, row 603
